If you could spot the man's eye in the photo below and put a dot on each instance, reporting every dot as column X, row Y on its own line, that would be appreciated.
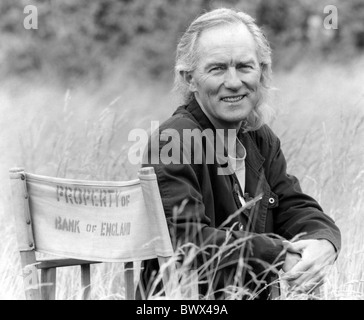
column 217, row 68
column 245, row 67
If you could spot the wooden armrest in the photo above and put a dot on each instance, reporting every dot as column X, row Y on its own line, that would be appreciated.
column 61, row 262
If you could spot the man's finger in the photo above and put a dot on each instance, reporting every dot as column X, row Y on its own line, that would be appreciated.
column 309, row 286
column 291, row 276
column 291, row 260
column 299, row 245
column 298, row 270
column 308, row 281
column 290, row 248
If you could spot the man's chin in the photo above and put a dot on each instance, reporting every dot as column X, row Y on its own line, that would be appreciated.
column 233, row 122
column 237, row 116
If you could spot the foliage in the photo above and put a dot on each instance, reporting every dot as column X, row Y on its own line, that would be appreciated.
column 88, row 39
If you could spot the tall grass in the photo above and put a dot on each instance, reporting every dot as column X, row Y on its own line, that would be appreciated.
column 82, row 133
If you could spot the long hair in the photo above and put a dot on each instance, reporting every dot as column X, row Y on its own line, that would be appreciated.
column 187, row 58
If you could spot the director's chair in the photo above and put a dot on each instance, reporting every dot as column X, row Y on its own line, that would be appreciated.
column 85, row 222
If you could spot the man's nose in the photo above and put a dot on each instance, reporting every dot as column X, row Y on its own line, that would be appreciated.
column 232, row 80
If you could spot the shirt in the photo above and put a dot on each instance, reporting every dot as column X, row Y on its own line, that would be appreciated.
column 239, row 162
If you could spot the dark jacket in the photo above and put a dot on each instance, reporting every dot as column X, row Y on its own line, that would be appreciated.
column 210, row 199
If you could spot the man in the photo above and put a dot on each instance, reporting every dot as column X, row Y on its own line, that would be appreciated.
column 223, row 67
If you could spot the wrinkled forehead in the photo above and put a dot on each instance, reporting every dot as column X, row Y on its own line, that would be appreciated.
column 229, row 40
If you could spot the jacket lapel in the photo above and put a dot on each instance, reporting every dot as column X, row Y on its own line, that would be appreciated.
column 253, row 165
column 255, row 182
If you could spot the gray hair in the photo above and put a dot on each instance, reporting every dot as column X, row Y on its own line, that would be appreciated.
column 187, row 58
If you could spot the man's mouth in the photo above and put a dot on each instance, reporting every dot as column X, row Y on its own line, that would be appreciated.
column 232, row 99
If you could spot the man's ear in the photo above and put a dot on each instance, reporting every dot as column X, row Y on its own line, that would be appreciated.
column 189, row 79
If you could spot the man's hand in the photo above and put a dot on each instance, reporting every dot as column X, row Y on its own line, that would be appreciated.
column 292, row 257
column 291, row 260
column 307, row 273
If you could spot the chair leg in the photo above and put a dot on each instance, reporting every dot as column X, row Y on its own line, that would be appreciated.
column 30, row 275
column 48, row 283
column 85, row 281
column 129, row 281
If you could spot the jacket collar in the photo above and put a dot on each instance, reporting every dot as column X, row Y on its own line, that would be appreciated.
column 194, row 108
column 253, row 157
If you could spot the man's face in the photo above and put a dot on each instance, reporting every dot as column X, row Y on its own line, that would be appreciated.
column 226, row 79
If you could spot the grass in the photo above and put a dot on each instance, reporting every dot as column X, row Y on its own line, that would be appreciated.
column 82, row 133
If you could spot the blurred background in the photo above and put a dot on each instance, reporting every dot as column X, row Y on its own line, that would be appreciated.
column 86, row 40
column 72, row 89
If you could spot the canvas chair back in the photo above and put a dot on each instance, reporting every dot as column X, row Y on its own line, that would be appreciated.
column 83, row 222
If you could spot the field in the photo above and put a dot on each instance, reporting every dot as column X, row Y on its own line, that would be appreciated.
column 82, row 133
